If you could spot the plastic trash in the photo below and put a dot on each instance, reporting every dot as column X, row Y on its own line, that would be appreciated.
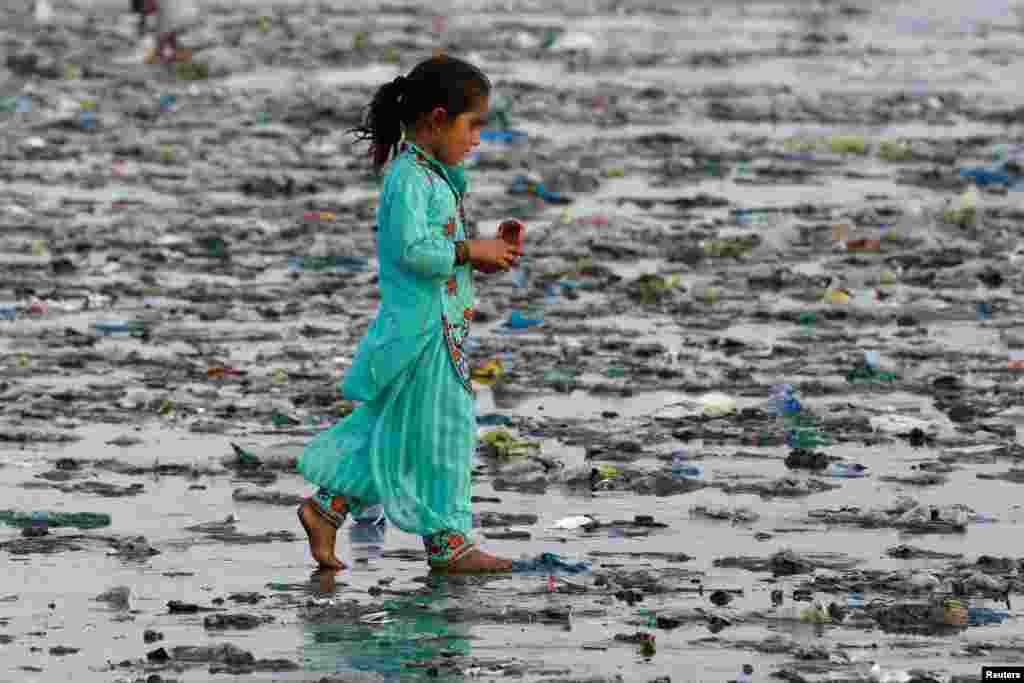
column 571, row 523
column 508, row 137
column 320, row 216
column 807, row 439
column 848, row 144
column 783, row 401
column 327, row 264
column 500, row 443
column 78, row 520
column 120, row 328
column 964, row 211
column 493, row 420
column 523, row 185
column 895, row 151
column 984, row 310
column 687, row 471
column 88, row 120
column 864, row 245
column 815, row 614
column 715, row 405
column 873, row 359
column 855, row 600
column 1016, row 360
column 986, row 616
column 863, row 374
column 549, row 564
column 746, row 675
column 168, row 104
column 489, row 373
column 844, row 470
column 891, row 676
column 8, row 312
column 517, row 321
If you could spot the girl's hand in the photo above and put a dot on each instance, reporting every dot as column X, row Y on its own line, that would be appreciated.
column 488, row 255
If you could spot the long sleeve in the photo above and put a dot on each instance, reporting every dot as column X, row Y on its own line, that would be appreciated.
column 422, row 249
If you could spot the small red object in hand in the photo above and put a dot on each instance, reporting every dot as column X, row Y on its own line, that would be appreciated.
column 513, row 232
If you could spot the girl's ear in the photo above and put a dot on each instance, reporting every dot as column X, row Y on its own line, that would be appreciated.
column 439, row 117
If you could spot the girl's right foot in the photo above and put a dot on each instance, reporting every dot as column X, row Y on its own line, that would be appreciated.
column 322, row 536
column 476, row 561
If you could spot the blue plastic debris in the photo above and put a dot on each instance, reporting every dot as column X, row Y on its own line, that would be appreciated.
column 549, row 564
column 511, row 137
column 523, row 185
column 493, row 420
column 88, row 120
column 845, row 470
column 687, row 471
column 518, row 322
column 986, row 616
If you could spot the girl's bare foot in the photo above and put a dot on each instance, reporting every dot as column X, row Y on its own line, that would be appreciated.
column 476, row 561
column 322, row 537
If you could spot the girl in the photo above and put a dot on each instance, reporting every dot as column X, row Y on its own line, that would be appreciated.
column 409, row 444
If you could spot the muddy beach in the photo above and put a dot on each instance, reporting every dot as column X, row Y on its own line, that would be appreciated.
column 760, row 370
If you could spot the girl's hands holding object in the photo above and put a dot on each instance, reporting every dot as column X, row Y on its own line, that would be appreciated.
column 490, row 256
column 501, row 253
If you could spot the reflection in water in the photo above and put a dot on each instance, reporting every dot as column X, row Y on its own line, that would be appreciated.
column 412, row 632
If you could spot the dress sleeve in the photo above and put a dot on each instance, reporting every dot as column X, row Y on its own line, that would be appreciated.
column 421, row 249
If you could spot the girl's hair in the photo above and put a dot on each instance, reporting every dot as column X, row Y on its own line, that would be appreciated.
column 442, row 81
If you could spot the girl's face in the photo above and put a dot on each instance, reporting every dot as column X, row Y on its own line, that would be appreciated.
column 456, row 140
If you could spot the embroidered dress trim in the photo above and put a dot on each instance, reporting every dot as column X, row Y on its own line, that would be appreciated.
column 455, row 336
column 446, row 547
column 333, row 507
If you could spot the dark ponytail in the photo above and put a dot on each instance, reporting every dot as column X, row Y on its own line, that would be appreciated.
column 442, row 81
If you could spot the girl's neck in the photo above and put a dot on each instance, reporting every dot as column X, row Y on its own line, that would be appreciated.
column 424, row 141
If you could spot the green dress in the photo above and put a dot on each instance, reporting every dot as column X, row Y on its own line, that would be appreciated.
column 409, row 444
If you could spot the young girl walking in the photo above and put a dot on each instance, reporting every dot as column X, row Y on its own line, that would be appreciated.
column 409, row 444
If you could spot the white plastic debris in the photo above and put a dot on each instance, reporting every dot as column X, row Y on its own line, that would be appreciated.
column 570, row 523
column 717, row 405
column 891, row 676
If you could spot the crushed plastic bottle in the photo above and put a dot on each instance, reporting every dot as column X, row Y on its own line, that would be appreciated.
column 8, row 312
